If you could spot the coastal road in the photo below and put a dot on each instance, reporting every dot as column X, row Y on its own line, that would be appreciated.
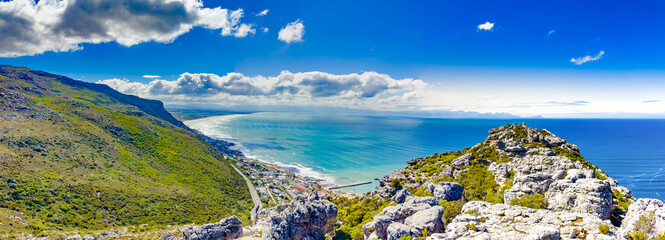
column 255, row 196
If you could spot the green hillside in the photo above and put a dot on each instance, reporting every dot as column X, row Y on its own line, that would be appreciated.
column 81, row 155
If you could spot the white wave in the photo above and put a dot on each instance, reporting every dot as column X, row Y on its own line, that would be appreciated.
column 217, row 127
column 212, row 126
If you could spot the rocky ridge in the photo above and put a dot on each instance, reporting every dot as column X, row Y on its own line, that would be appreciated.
column 542, row 188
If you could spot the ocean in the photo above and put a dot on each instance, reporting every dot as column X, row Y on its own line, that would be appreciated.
column 342, row 149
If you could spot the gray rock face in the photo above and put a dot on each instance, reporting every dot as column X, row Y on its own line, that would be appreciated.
column 401, row 196
column 652, row 212
column 588, row 195
column 302, row 218
column 565, row 185
column 225, row 229
column 384, row 189
column 448, row 191
column 510, row 146
column 501, row 221
column 461, row 161
column 544, row 233
column 414, row 161
column 407, row 219
column 446, row 171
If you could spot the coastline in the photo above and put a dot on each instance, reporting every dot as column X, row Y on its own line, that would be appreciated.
column 275, row 182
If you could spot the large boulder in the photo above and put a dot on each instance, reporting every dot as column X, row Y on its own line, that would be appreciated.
column 645, row 215
column 406, row 219
column 461, row 161
column 225, row 229
column 303, row 218
column 401, row 196
column 448, row 191
column 587, row 195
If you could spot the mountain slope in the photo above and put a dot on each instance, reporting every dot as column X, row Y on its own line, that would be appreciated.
column 81, row 155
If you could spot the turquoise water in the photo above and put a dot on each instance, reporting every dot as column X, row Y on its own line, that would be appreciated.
column 344, row 148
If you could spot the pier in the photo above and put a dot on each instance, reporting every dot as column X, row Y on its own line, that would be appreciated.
column 350, row 185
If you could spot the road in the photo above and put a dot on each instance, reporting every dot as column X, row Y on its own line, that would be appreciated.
column 255, row 196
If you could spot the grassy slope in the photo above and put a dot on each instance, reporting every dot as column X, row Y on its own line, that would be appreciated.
column 71, row 157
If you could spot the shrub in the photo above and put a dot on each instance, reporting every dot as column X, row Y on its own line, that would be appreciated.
column 535, row 201
column 645, row 223
column 471, row 227
column 422, row 192
column 637, row 236
column 604, row 229
column 599, row 175
column 356, row 212
column 425, row 232
column 395, row 183
column 452, row 209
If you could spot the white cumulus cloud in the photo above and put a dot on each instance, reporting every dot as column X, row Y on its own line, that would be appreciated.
column 151, row 76
column 366, row 90
column 244, row 30
column 587, row 58
column 487, row 26
column 29, row 28
column 263, row 13
column 292, row 32
column 550, row 33
column 265, row 29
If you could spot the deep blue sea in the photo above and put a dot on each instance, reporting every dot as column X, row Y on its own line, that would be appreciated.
column 348, row 148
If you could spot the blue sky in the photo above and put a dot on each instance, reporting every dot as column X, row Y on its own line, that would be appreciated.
column 530, row 45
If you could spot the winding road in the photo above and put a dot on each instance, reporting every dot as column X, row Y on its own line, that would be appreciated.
column 255, row 196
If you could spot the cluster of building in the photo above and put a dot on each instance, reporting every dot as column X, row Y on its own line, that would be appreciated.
column 276, row 185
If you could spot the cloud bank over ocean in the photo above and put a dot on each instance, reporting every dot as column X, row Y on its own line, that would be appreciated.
column 370, row 90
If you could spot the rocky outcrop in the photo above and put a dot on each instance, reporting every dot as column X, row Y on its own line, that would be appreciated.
column 302, row 218
column 226, row 229
column 448, row 191
column 567, row 184
column 647, row 216
column 409, row 218
column 482, row 220
column 461, row 161
column 385, row 189
column 587, row 195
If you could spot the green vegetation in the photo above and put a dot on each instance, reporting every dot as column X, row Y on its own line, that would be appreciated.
column 422, row 192
column 642, row 236
column 479, row 184
column 452, row 209
column 604, row 229
column 471, row 227
column 646, row 223
column 637, row 236
column 599, row 175
column 519, row 132
column 75, row 157
column 356, row 212
column 535, row 201
column 624, row 201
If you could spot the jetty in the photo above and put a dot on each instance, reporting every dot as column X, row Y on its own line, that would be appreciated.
column 350, row 185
